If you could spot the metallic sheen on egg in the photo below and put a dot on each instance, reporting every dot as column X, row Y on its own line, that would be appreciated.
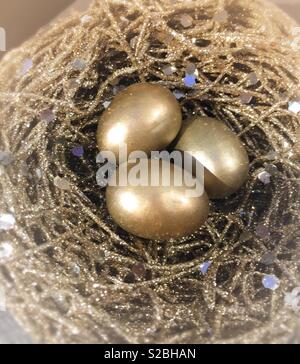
column 219, row 151
column 157, row 212
column 146, row 117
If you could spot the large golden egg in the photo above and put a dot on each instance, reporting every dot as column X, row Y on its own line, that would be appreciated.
column 157, row 212
column 145, row 117
column 219, row 150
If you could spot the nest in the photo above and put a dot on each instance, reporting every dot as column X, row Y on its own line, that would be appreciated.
column 73, row 275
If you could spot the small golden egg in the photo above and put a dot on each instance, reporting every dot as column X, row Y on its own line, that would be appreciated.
column 145, row 117
column 219, row 150
column 157, row 212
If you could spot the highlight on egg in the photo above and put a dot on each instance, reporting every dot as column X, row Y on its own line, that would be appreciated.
column 144, row 117
column 157, row 212
column 212, row 144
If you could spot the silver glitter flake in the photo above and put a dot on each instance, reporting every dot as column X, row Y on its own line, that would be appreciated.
column 106, row 104
column 62, row 183
column 61, row 302
column 272, row 155
column 246, row 98
column 118, row 88
column 264, row 177
column 133, row 42
column 79, row 64
column 222, row 16
column 26, row 66
column 190, row 69
column 6, row 158
column 6, row 250
column 71, row 85
column 75, row 270
column 169, row 70
column 189, row 81
column 101, row 257
column 7, row 221
column 47, row 115
column 292, row 299
column 186, row 20
column 271, row 282
column 39, row 173
column 86, row 19
column 294, row 107
column 204, row 267
column 268, row 258
column 252, row 78
column 178, row 94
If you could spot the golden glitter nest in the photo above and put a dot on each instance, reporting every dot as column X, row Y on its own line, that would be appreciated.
column 73, row 275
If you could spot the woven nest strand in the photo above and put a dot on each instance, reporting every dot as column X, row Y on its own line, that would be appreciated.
column 74, row 276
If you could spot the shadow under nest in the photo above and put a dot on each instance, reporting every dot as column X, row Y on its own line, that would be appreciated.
column 79, row 258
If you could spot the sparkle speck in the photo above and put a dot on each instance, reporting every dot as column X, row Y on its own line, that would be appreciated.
column 294, row 107
column 7, row 221
column 186, row 20
column 204, row 267
column 78, row 151
column 26, row 66
column 271, row 282
column 264, row 177
column 61, row 183
column 47, row 115
column 246, row 98
column 79, row 64
column 6, row 250
column 190, row 80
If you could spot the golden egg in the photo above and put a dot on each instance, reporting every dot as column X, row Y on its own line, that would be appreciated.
column 219, row 150
column 159, row 212
column 145, row 117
